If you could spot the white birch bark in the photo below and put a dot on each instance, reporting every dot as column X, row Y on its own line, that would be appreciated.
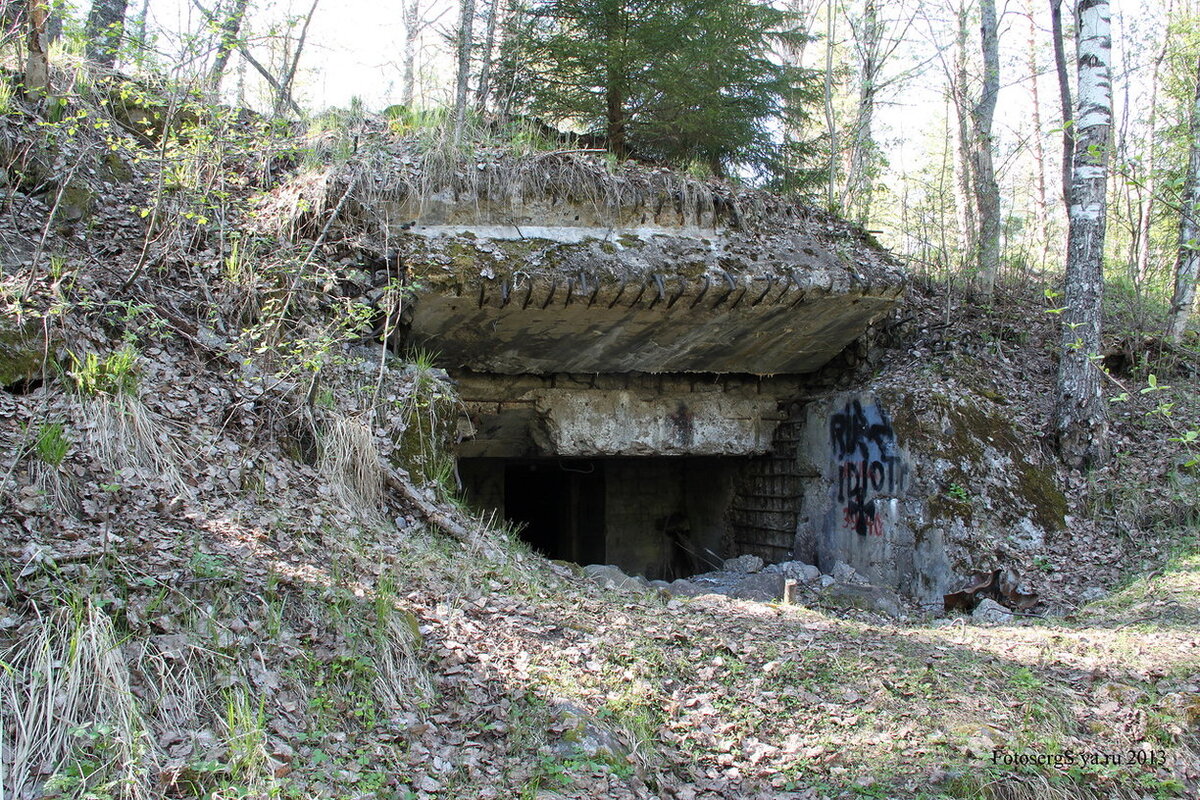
column 1187, row 263
column 412, row 29
column 1081, row 415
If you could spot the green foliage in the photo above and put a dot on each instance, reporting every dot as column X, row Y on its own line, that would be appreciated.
column 112, row 375
column 52, row 444
column 671, row 82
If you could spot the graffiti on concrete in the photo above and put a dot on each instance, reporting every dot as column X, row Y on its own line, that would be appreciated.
column 867, row 462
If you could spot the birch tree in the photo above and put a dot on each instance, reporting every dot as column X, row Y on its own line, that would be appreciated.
column 1187, row 262
column 1081, row 415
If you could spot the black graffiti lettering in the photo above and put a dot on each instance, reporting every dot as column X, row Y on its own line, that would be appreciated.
column 864, row 449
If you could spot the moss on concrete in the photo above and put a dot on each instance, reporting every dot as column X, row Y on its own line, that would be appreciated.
column 22, row 352
column 967, row 429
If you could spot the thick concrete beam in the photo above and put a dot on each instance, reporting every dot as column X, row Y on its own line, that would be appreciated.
column 618, row 302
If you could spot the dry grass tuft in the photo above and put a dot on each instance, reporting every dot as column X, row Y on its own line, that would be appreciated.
column 128, row 435
column 71, row 719
column 350, row 461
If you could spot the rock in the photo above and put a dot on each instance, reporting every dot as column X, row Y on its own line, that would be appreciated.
column 1092, row 593
column 580, row 732
column 989, row 612
column 861, row 596
column 764, row 587
column 845, row 573
column 796, row 570
column 685, row 588
column 827, row 580
column 746, row 564
column 21, row 352
column 611, row 577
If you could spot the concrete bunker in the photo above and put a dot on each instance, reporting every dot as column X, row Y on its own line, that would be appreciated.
column 661, row 372
column 635, row 393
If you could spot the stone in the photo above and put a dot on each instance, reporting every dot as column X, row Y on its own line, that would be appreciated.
column 861, row 596
column 746, row 564
column 581, row 733
column 989, row 612
column 1091, row 594
column 685, row 588
column 827, row 580
column 611, row 577
column 21, row 353
column 845, row 573
column 764, row 587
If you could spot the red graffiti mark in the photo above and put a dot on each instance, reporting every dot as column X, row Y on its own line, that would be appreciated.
column 865, row 522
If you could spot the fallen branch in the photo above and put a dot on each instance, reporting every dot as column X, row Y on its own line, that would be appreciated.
column 428, row 509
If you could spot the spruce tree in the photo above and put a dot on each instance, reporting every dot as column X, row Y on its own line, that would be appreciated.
column 670, row 81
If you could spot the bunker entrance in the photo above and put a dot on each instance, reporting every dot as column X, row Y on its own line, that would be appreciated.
column 661, row 517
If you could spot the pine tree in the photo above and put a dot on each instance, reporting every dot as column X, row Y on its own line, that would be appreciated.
column 674, row 81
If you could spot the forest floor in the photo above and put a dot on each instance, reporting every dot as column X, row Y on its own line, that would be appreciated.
column 201, row 597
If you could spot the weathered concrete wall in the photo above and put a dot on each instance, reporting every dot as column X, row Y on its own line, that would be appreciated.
column 621, row 415
column 858, row 510
column 916, row 488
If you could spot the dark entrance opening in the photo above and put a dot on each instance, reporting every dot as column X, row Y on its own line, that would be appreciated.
column 561, row 505
column 661, row 517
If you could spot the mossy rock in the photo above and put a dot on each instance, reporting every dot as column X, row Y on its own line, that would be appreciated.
column 970, row 426
column 72, row 204
column 22, row 353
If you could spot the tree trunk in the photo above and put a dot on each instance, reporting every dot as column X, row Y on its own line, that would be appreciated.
column 859, row 184
column 987, row 193
column 1188, row 260
column 1064, row 93
column 1081, row 415
column 466, row 22
column 830, row 120
column 105, row 26
column 485, row 59
column 138, row 28
column 37, row 65
column 965, row 212
column 412, row 29
column 283, row 94
column 231, row 27
column 1146, row 217
column 1040, row 202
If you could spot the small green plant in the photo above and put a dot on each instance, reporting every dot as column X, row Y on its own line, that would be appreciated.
column 1044, row 564
column 112, row 375
column 52, row 444
column 957, row 492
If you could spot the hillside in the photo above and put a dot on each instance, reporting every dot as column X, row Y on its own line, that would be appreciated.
column 235, row 565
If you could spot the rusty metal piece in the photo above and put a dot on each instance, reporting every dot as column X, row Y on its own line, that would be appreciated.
column 703, row 292
column 504, row 293
column 1001, row 585
column 550, row 297
column 620, row 292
